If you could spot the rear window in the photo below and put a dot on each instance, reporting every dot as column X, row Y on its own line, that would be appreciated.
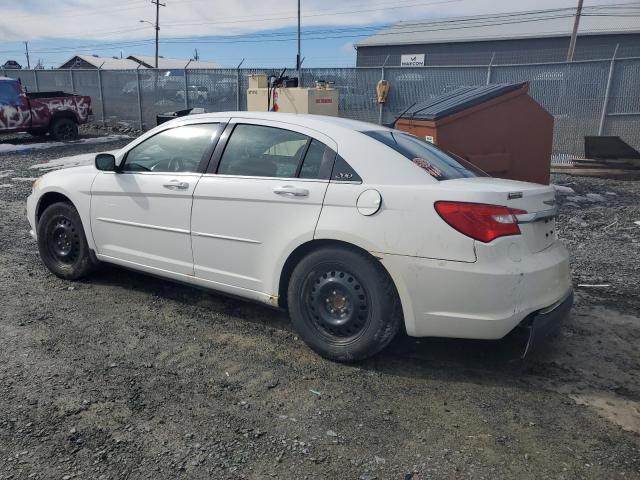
column 438, row 163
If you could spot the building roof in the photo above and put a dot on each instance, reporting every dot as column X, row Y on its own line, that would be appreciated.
column 105, row 63
column 557, row 23
column 149, row 61
column 458, row 100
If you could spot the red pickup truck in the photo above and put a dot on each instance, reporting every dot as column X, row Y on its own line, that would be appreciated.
column 57, row 113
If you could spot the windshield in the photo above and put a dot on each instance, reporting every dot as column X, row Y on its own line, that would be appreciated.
column 438, row 163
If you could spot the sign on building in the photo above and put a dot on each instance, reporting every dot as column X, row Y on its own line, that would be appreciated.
column 416, row 60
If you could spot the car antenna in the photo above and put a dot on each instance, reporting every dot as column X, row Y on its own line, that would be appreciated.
column 392, row 124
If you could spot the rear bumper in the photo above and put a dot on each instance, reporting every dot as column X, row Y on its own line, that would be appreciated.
column 547, row 322
column 482, row 300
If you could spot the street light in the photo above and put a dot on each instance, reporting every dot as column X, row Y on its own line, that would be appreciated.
column 157, row 28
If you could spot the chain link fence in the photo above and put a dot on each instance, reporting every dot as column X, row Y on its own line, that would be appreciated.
column 589, row 97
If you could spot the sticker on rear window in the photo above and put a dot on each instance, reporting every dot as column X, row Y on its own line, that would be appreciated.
column 428, row 166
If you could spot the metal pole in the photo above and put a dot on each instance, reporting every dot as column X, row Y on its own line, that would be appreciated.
column 157, row 26
column 100, row 92
column 139, row 97
column 238, row 85
column 381, row 105
column 26, row 51
column 186, row 88
column 73, row 86
column 574, row 33
column 493, row 56
column 607, row 92
column 35, row 80
column 298, row 55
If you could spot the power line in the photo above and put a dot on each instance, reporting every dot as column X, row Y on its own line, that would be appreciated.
column 406, row 27
column 324, row 14
column 71, row 11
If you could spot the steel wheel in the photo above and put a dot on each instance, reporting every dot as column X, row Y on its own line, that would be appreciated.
column 341, row 315
column 337, row 304
column 63, row 240
column 62, row 244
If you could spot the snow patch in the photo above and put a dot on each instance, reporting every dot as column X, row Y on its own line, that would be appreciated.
column 11, row 148
column 564, row 190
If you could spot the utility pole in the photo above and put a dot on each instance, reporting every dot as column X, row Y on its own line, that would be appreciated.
column 158, row 5
column 574, row 34
column 298, row 55
column 26, row 51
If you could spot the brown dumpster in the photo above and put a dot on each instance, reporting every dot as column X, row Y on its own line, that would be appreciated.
column 497, row 127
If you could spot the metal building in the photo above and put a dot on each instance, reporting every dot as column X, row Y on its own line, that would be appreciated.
column 514, row 38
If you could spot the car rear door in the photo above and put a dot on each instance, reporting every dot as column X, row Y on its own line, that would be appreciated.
column 141, row 215
column 260, row 198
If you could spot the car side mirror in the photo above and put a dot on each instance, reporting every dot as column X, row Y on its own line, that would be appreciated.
column 106, row 162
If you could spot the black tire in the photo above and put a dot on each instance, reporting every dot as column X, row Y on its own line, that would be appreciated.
column 343, row 304
column 62, row 243
column 64, row 129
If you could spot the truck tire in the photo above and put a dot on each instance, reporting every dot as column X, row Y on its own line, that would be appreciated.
column 64, row 129
column 62, row 244
column 343, row 304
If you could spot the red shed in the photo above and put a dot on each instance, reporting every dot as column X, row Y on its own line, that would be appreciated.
column 497, row 127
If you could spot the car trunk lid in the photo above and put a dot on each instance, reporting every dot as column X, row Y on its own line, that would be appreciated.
column 537, row 226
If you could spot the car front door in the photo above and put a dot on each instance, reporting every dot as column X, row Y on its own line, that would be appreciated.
column 260, row 197
column 141, row 214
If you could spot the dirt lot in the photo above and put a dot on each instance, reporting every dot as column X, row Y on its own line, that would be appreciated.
column 127, row 376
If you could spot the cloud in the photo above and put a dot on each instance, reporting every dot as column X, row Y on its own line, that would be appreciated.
column 119, row 20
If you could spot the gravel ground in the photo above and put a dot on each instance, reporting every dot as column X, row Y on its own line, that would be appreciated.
column 127, row 376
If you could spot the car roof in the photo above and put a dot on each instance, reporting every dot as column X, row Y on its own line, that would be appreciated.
column 317, row 122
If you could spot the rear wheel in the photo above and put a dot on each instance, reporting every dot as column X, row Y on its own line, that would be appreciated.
column 64, row 129
column 343, row 304
column 62, row 244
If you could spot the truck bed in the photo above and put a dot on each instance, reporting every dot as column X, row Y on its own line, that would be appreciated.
column 56, row 94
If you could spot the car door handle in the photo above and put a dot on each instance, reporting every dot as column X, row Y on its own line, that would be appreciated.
column 176, row 185
column 291, row 191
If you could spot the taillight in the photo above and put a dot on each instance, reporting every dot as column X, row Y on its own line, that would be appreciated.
column 480, row 221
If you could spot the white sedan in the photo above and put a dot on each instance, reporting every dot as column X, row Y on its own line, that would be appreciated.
column 356, row 229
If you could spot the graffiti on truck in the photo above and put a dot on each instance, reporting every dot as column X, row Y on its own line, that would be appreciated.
column 17, row 111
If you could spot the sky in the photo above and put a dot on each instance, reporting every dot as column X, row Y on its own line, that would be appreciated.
column 262, row 32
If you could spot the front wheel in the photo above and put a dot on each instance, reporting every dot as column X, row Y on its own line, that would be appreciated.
column 62, row 244
column 343, row 304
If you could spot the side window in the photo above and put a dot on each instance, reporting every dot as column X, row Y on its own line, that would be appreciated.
column 9, row 93
column 259, row 151
column 311, row 167
column 178, row 149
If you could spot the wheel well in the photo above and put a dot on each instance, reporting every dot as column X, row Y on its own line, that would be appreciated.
column 64, row 114
column 299, row 253
column 47, row 199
